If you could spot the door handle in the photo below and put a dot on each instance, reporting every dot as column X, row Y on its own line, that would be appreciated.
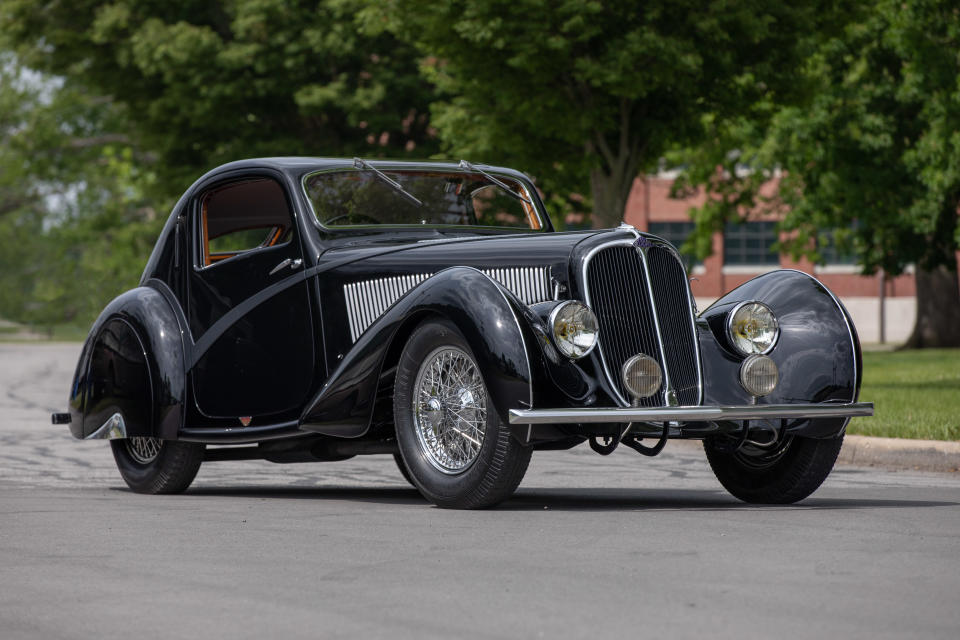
column 287, row 262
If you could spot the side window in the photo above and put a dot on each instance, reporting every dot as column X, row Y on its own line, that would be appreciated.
column 243, row 216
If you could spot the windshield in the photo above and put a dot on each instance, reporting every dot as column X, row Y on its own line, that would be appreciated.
column 349, row 198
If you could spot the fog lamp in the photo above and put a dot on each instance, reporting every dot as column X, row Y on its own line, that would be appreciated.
column 759, row 375
column 575, row 329
column 642, row 376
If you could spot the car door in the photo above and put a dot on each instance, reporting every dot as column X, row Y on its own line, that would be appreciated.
column 248, row 306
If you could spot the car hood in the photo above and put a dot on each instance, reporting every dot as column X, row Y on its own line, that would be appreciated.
column 363, row 256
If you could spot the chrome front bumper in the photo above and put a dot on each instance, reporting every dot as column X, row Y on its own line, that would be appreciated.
column 690, row 414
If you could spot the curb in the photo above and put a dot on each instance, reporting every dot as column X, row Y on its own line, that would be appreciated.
column 893, row 454
column 900, row 453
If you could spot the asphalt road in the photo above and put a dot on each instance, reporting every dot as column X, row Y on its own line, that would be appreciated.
column 594, row 547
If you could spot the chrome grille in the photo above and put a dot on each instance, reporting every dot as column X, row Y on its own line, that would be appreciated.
column 617, row 291
column 669, row 287
column 616, row 282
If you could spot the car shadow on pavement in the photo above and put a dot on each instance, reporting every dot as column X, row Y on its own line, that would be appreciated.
column 384, row 495
column 606, row 499
column 578, row 499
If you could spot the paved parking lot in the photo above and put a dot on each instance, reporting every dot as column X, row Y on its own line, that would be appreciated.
column 589, row 546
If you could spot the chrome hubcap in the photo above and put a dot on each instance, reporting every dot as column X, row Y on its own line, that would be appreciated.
column 144, row 450
column 449, row 409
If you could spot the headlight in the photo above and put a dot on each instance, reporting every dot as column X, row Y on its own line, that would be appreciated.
column 752, row 328
column 575, row 329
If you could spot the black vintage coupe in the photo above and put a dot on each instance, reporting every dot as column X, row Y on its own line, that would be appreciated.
column 307, row 309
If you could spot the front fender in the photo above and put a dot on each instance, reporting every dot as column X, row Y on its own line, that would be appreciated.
column 131, row 365
column 817, row 353
column 487, row 316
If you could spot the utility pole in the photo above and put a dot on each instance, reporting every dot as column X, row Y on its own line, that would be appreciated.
column 882, row 279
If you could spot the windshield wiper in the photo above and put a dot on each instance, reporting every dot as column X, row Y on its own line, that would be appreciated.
column 503, row 185
column 360, row 163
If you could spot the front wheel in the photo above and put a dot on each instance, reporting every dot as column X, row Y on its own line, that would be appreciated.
column 781, row 475
column 457, row 451
column 151, row 465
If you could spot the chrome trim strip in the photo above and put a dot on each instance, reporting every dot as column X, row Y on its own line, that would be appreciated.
column 689, row 414
column 368, row 300
column 112, row 429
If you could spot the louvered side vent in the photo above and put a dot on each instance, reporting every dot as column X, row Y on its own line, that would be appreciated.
column 618, row 296
column 368, row 300
column 530, row 284
column 669, row 286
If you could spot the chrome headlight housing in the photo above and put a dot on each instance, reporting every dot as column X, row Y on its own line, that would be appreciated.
column 752, row 328
column 575, row 329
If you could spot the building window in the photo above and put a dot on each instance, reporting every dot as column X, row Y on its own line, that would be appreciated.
column 750, row 243
column 676, row 233
column 830, row 253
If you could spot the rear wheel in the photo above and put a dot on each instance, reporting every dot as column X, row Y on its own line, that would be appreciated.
column 786, row 473
column 456, row 450
column 151, row 465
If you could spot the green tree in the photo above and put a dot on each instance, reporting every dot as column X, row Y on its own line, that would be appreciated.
column 588, row 94
column 74, row 223
column 874, row 155
column 209, row 82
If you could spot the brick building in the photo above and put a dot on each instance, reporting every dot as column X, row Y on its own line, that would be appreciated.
column 743, row 251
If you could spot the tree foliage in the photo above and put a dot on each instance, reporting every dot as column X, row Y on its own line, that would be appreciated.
column 209, row 82
column 74, row 223
column 873, row 154
column 591, row 93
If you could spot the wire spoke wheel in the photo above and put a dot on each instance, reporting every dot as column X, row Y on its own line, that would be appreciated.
column 144, row 450
column 450, row 409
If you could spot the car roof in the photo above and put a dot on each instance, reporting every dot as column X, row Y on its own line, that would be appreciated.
column 298, row 165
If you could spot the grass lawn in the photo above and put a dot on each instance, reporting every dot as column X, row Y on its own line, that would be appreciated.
column 916, row 394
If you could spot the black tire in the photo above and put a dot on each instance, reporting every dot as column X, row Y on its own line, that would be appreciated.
column 403, row 469
column 783, row 477
column 496, row 468
column 171, row 470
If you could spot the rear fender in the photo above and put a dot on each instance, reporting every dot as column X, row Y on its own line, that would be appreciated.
column 130, row 379
column 489, row 318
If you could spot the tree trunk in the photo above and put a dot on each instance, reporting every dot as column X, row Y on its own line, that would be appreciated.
column 938, row 309
column 610, row 191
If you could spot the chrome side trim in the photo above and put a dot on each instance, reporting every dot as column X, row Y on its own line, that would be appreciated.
column 689, row 414
column 112, row 429
column 368, row 300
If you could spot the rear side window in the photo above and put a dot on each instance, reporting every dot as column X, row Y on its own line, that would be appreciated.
column 241, row 217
